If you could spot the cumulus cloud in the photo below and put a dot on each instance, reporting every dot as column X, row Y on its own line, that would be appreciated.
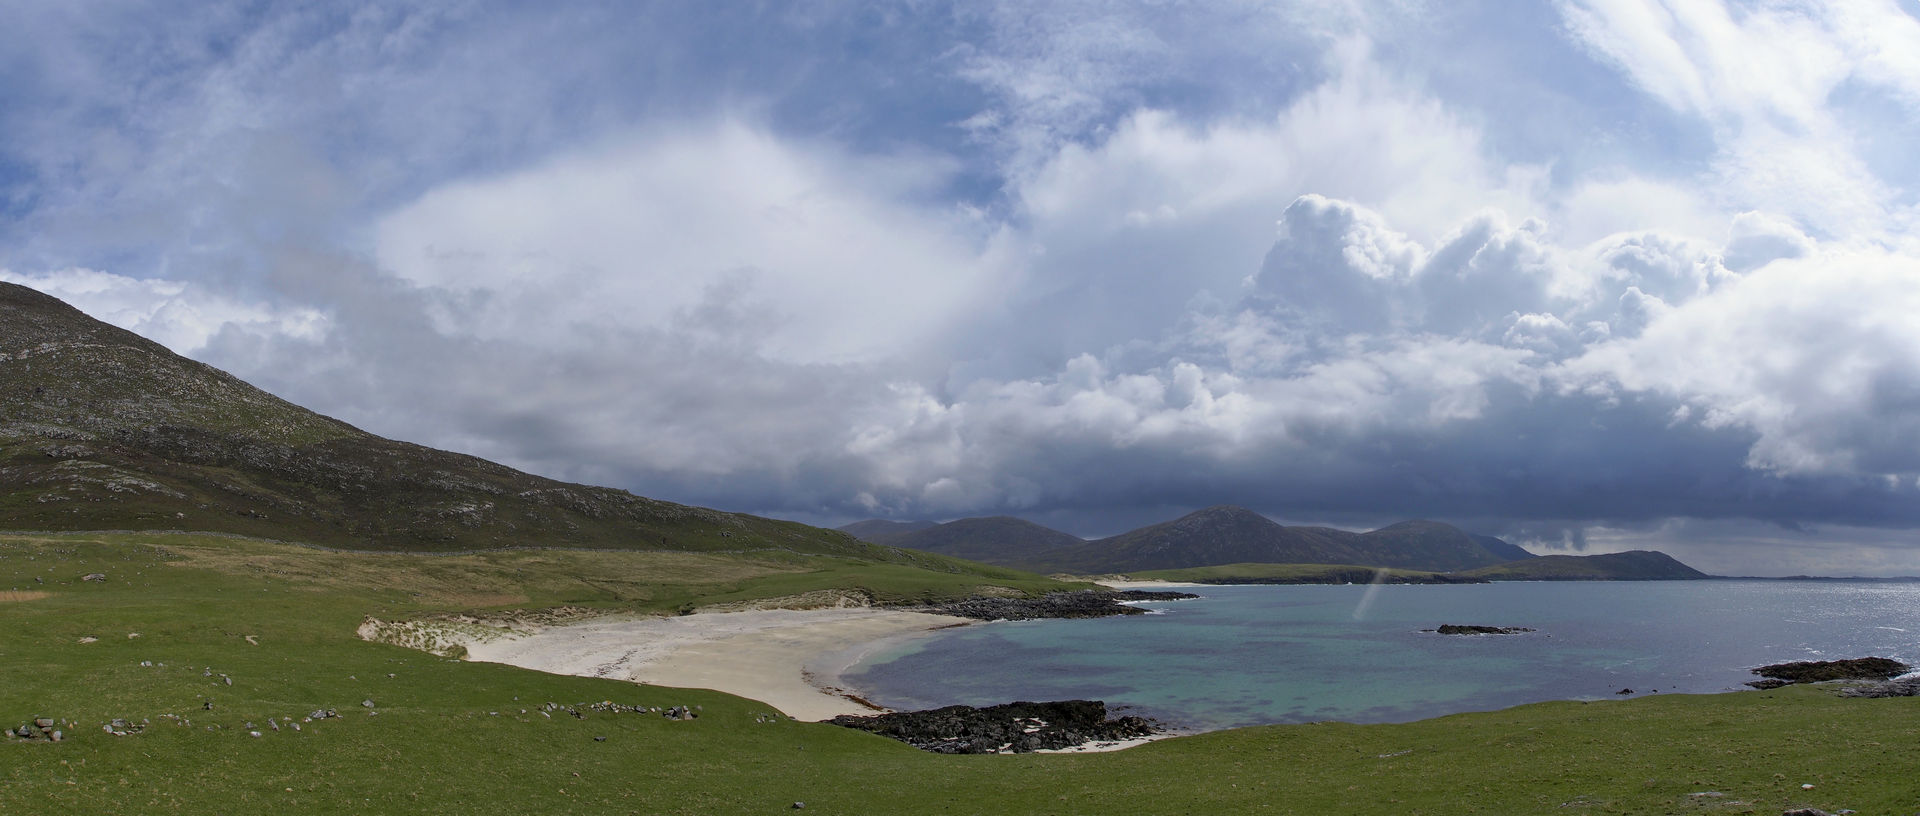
column 807, row 253
column 1627, row 273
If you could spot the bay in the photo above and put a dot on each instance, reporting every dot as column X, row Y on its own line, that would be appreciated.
column 1250, row 655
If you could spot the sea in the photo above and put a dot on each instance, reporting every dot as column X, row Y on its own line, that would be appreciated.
column 1252, row 655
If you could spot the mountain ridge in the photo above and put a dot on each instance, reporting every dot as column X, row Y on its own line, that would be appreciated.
column 103, row 429
column 1211, row 536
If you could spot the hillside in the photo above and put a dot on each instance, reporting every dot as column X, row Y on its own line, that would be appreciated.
column 878, row 531
column 1633, row 565
column 1003, row 540
column 103, row 429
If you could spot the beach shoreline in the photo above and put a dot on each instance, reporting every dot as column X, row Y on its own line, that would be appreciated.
column 790, row 659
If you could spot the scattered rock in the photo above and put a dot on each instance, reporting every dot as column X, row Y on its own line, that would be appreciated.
column 89, row 639
column 367, row 703
column 799, row 806
column 1909, row 687
column 96, row 577
column 1805, row 812
column 1624, row 691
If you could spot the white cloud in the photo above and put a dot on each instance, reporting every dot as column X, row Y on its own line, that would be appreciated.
column 1818, row 356
column 806, row 252
column 182, row 316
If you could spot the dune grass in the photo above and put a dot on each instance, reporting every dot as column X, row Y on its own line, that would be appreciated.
column 458, row 737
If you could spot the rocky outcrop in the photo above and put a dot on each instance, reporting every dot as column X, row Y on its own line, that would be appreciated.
column 1089, row 603
column 1012, row 728
column 1471, row 629
column 1815, row 671
column 1891, row 688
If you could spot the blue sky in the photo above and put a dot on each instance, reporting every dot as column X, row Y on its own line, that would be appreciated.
column 1594, row 274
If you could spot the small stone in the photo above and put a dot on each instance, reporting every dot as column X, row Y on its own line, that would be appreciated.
column 799, row 806
column 1808, row 786
column 253, row 733
column 43, row 722
column 367, row 703
column 56, row 736
column 599, row 739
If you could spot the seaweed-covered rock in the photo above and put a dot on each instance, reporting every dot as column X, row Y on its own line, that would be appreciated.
column 1815, row 671
column 1471, row 629
column 1010, row 728
column 1083, row 604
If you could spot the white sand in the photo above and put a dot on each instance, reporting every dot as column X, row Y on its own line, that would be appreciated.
column 790, row 659
column 1148, row 584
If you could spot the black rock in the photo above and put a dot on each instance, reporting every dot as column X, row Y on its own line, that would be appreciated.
column 1011, row 728
column 1469, row 629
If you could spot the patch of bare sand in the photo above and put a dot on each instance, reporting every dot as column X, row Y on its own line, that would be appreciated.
column 790, row 659
column 22, row 595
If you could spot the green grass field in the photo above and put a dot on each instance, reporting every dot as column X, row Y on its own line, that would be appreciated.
column 457, row 737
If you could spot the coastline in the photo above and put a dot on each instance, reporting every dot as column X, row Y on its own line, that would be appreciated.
column 1126, row 585
column 790, row 659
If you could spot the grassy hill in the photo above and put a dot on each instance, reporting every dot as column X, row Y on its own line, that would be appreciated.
column 993, row 540
column 877, row 531
column 453, row 737
column 102, row 429
column 1633, row 565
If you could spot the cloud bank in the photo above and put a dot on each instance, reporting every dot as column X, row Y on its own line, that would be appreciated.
column 1603, row 275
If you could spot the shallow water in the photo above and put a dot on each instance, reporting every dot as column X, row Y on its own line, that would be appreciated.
column 1275, row 654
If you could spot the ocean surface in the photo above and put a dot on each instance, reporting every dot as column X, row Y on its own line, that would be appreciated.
column 1248, row 655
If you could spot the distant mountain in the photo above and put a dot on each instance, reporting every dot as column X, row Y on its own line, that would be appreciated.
column 1425, row 545
column 1234, row 535
column 1002, row 540
column 103, row 429
column 1499, row 547
column 877, row 531
column 1633, row 565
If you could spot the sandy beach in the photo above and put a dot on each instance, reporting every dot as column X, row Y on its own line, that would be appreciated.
column 789, row 659
column 1149, row 584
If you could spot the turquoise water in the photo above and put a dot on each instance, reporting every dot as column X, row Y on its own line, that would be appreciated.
column 1276, row 654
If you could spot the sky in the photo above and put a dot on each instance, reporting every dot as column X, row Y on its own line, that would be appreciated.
column 1590, row 275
